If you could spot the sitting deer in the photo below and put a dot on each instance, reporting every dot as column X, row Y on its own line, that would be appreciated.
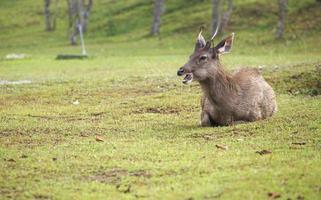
column 227, row 99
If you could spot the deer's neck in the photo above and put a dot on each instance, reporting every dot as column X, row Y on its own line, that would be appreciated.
column 220, row 88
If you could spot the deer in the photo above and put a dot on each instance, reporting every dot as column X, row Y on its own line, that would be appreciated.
column 228, row 98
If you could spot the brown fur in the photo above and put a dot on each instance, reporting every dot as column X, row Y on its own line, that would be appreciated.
column 227, row 99
column 243, row 96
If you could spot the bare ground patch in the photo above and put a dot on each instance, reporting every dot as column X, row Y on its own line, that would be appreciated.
column 307, row 82
column 158, row 110
column 10, row 193
column 115, row 175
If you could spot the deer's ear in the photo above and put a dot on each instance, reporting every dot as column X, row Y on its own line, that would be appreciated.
column 200, row 42
column 225, row 45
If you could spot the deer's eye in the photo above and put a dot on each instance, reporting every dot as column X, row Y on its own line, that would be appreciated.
column 203, row 58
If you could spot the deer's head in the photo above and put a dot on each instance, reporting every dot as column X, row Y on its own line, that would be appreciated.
column 204, row 59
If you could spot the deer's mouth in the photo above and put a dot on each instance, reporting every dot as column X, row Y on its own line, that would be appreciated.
column 188, row 78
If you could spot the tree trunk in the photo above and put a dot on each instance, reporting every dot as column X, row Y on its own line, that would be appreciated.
column 226, row 16
column 49, row 18
column 78, row 13
column 281, row 23
column 71, row 11
column 158, row 10
column 84, row 15
column 215, row 15
column 73, row 20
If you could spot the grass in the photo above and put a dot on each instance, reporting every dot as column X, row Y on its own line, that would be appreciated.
column 135, row 133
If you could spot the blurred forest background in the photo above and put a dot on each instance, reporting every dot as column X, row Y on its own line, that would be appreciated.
column 121, row 125
column 54, row 22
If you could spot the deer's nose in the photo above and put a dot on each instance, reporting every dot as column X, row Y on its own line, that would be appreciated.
column 180, row 72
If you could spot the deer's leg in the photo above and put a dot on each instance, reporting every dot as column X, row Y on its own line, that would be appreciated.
column 205, row 119
column 208, row 111
column 208, row 114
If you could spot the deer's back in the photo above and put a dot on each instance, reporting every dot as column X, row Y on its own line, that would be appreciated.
column 244, row 74
column 250, row 80
column 257, row 95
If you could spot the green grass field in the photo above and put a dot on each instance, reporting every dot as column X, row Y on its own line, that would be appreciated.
column 135, row 133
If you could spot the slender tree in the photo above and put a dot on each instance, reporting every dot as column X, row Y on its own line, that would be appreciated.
column 50, row 21
column 226, row 16
column 72, row 10
column 283, row 4
column 158, row 10
column 215, row 15
column 78, row 12
column 218, row 21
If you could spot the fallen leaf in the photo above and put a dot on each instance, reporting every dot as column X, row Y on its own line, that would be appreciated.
column 264, row 151
column 274, row 195
column 99, row 139
column 76, row 102
column 219, row 146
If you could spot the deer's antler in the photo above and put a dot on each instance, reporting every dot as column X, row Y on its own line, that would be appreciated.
column 216, row 31
column 201, row 30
